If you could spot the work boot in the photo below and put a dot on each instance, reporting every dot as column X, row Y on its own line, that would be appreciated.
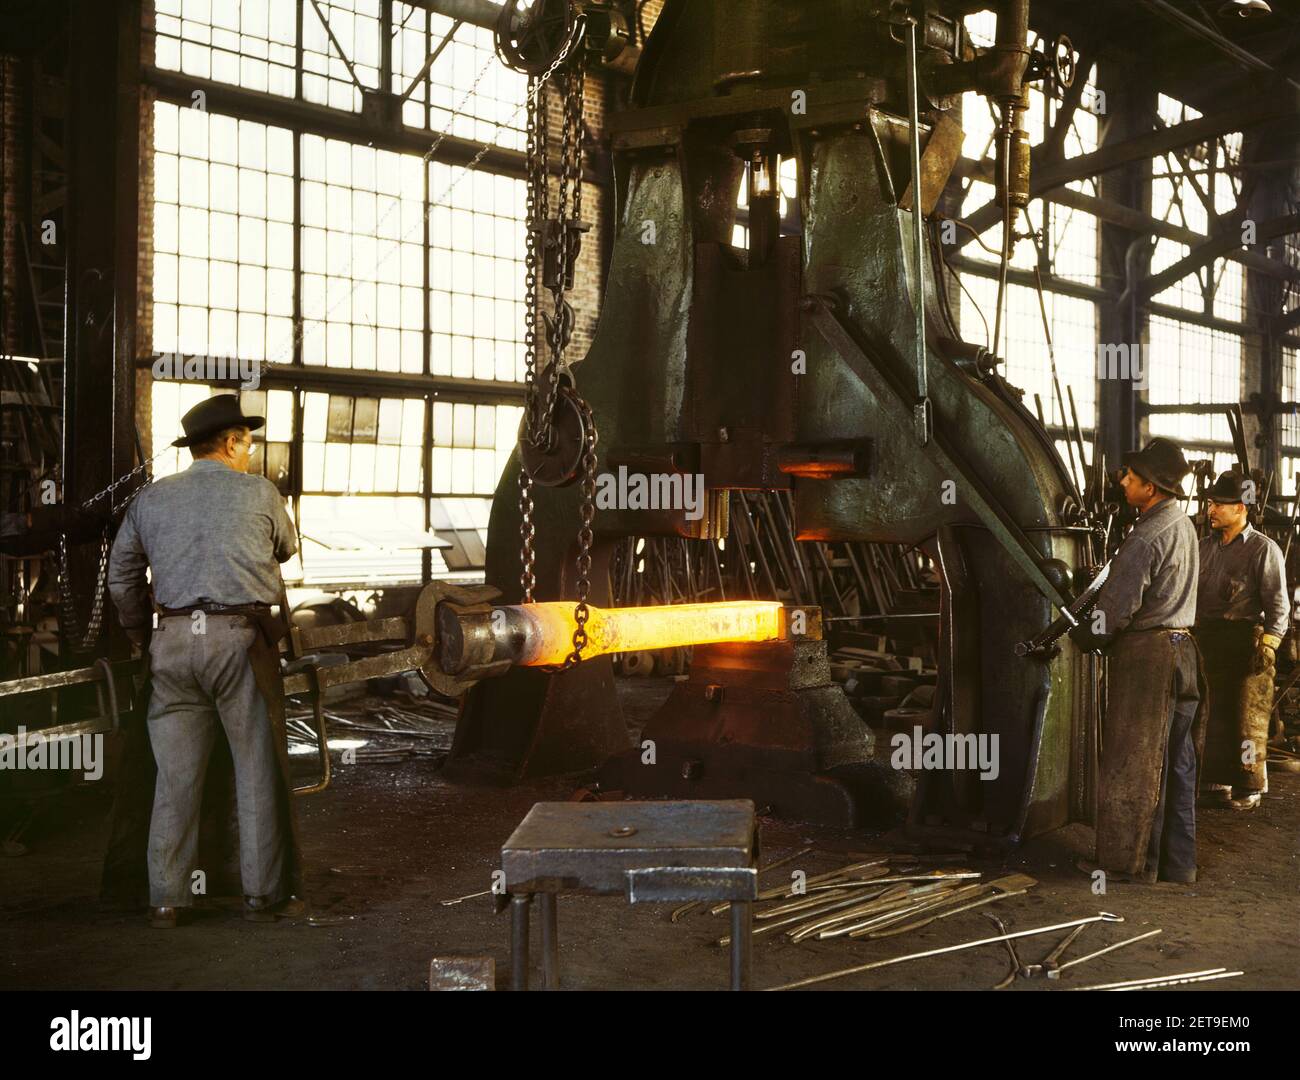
column 164, row 918
column 257, row 909
column 1180, row 877
column 1247, row 800
column 1089, row 867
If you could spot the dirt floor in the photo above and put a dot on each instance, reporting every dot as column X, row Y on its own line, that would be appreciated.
column 388, row 841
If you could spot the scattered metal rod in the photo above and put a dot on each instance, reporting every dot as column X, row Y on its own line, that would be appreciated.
column 1051, row 960
column 943, row 913
column 818, row 895
column 840, row 923
column 796, row 918
column 467, row 896
column 1055, row 973
column 1016, row 966
column 876, row 918
column 1208, row 975
column 785, row 859
column 784, row 890
column 870, row 927
column 1104, row 916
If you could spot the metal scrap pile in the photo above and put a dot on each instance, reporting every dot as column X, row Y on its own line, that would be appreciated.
column 377, row 730
column 887, row 895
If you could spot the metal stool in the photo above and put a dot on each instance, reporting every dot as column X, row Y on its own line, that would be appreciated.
column 650, row 851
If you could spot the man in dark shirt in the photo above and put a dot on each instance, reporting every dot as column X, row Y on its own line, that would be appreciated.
column 1241, row 617
column 1146, row 800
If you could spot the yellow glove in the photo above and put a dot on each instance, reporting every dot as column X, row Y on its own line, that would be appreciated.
column 1265, row 655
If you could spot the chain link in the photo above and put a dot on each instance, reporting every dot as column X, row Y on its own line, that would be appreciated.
column 586, row 535
column 94, row 625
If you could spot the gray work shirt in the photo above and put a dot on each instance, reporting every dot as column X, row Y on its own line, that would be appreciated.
column 1244, row 580
column 209, row 534
column 1152, row 580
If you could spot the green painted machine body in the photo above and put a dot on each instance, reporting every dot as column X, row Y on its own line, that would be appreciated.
column 707, row 358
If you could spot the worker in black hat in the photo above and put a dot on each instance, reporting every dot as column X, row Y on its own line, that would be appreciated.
column 213, row 537
column 1146, row 827
column 1242, row 614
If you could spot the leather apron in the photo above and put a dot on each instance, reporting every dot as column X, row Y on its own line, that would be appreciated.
column 1241, row 704
column 1135, row 732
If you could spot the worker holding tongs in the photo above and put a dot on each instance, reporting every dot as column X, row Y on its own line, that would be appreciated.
column 1153, row 728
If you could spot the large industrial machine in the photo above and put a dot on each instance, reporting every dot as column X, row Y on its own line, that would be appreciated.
column 815, row 360
column 821, row 364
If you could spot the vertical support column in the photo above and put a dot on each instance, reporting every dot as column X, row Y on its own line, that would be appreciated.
column 1125, row 254
column 1265, row 297
column 102, row 258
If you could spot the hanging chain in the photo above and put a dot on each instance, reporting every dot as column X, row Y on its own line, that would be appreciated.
column 94, row 624
column 581, row 613
column 552, row 248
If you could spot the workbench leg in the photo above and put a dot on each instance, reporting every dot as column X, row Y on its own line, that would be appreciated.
column 550, row 943
column 742, row 943
column 519, row 911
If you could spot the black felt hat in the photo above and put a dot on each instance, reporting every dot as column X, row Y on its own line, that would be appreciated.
column 214, row 415
column 1230, row 487
column 1160, row 462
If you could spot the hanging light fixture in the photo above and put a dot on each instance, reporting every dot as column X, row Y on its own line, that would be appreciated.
column 1245, row 9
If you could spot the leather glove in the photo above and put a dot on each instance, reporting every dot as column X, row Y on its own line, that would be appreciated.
column 137, row 636
column 1265, row 655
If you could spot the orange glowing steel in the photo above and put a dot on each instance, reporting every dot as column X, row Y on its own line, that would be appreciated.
column 550, row 636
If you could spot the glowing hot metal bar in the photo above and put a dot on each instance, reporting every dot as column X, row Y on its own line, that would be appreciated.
column 532, row 635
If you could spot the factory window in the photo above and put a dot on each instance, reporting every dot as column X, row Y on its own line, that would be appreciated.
column 1189, row 364
column 476, row 274
column 1189, row 185
column 250, row 43
column 471, row 445
column 340, row 51
column 254, row 44
column 470, row 89
column 354, row 445
column 362, row 252
column 223, row 236
column 361, row 539
column 1289, row 421
column 1028, row 367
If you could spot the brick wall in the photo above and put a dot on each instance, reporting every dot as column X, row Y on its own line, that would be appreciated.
column 13, row 213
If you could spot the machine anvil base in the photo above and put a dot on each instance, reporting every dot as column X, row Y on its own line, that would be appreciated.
column 764, row 721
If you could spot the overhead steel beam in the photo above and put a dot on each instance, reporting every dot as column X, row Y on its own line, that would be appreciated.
column 1059, row 173
column 1137, row 221
column 482, row 13
column 1247, row 60
column 1217, row 247
column 177, row 88
column 360, row 382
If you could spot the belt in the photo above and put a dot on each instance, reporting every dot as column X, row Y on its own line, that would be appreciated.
column 216, row 609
